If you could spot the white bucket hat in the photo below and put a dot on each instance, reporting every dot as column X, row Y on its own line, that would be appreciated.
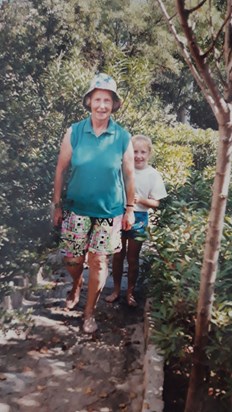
column 105, row 82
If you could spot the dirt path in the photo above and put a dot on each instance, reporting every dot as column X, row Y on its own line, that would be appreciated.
column 56, row 367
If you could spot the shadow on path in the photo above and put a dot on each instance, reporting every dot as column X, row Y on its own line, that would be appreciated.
column 56, row 367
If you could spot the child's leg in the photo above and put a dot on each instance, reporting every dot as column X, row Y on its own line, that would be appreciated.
column 117, row 269
column 133, row 251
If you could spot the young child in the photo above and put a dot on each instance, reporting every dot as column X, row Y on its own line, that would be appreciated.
column 149, row 189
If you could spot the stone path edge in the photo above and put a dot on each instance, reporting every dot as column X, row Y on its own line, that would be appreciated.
column 153, row 367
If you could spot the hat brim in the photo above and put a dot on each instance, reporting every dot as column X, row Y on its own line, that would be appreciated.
column 117, row 102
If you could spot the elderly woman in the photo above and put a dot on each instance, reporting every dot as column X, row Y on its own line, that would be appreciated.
column 94, row 210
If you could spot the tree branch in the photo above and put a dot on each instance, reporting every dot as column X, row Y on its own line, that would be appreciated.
column 228, row 52
column 213, row 49
column 212, row 46
column 218, row 104
column 212, row 98
column 189, row 11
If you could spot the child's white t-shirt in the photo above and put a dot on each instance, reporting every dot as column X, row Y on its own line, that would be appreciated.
column 148, row 184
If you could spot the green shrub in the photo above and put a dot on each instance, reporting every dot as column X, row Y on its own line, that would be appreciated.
column 202, row 144
column 177, row 242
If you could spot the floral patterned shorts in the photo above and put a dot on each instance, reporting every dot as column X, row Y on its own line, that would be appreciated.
column 80, row 234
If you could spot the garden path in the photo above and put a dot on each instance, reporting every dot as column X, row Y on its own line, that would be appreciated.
column 55, row 367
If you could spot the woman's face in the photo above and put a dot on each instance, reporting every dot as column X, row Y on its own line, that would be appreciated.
column 101, row 104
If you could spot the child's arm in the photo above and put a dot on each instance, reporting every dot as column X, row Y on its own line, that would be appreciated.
column 151, row 203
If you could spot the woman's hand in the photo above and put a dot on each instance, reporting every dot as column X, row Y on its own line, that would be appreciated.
column 128, row 219
column 57, row 216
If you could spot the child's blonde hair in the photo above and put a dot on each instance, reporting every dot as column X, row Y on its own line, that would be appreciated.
column 146, row 139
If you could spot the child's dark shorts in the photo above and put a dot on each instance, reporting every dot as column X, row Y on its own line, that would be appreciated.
column 139, row 228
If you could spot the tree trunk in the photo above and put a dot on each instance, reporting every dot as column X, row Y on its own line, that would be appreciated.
column 182, row 115
column 209, row 270
column 199, row 62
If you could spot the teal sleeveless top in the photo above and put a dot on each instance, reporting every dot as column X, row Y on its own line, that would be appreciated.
column 95, row 187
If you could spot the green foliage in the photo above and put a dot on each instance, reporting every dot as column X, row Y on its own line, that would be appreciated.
column 17, row 320
column 59, row 51
column 174, row 162
column 59, row 46
column 201, row 143
column 179, row 89
column 175, row 270
column 175, row 259
column 64, row 85
column 179, row 92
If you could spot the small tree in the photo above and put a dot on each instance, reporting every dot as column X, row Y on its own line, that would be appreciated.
column 203, row 30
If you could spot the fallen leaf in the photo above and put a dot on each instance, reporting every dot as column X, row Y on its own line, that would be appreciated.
column 88, row 391
column 44, row 349
column 133, row 395
column 40, row 387
column 103, row 395
column 27, row 369
column 79, row 365
column 55, row 339
column 2, row 377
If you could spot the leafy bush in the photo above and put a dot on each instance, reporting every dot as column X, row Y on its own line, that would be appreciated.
column 174, row 276
column 202, row 144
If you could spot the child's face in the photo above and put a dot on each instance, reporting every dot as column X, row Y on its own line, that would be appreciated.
column 141, row 154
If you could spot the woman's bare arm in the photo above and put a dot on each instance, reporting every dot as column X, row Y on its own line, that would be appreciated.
column 62, row 165
column 129, row 183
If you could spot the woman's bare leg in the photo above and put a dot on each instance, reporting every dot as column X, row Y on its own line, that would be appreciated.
column 117, row 271
column 98, row 272
column 75, row 268
column 133, row 252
